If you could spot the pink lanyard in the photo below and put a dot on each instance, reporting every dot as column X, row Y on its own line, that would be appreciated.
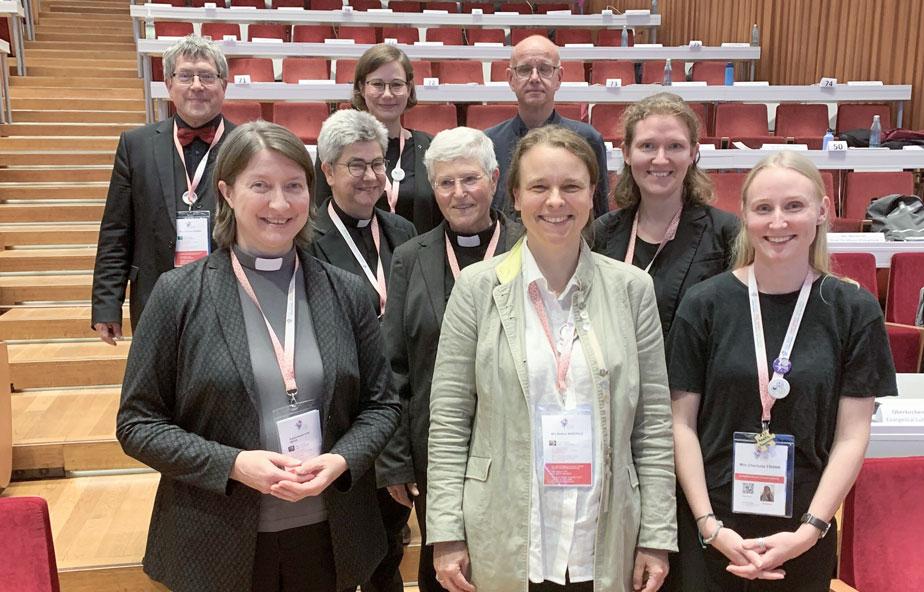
column 392, row 188
column 451, row 255
column 669, row 235
column 563, row 360
column 285, row 356
column 760, row 348
column 377, row 280
column 190, row 197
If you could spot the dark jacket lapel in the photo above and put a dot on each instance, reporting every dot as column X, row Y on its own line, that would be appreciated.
column 321, row 301
column 680, row 252
column 329, row 246
column 618, row 239
column 433, row 265
column 164, row 163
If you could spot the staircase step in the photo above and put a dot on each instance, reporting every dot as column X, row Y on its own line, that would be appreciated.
column 61, row 116
column 87, row 10
column 101, row 57
column 16, row 289
column 51, row 322
column 59, row 212
column 86, row 92
column 72, row 103
column 66, row 364
column 53, row 174
column 35, row 190
column 62, row 76
column 65, row 129
column 59, row 157
column 65, row 259
column 49, row 234
column 68, row 26
column 77, row 45
column 60, row 143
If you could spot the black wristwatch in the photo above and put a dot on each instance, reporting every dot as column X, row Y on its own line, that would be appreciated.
column 818, row 523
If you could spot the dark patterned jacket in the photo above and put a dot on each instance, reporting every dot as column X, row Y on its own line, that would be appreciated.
column 188, row 409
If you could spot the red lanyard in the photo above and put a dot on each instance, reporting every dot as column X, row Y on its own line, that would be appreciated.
column 378, row 279
column 397, row 175
column 451, row 255
column 285, row 356
column 190, row 196
column 669, row 235
column 562, row 360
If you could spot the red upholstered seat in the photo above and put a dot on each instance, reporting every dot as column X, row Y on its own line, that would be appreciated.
column 745, row 122
column 168, row 29
column 906, row 342
column 521, row 7
column 712, row 73
column 241, row 111
column 906, row 278
column 431, row 118
column 268, row 31
column 365, row 4
column 406, row 35
column 312, row 33
column 422, row 69
column 325, row 4
column 601, row 71
column 288, row 3
column 853, row 116
column 259, row 69
column 653, row 71
column 295, row 69
column 450, row 7
column 728, row 190
column 803, row 121
column 217, row 31
column 358, row 34
column 605, row 119
column 883, row 519
column 477, row 35
column 565, row 36
column 499, row 71
column 486, row 7
column 546, row 7
column 484, row 116
column 26, row 546
column 404, row 6
column 860, row 267
column 613, row 37
column 303, row 119
column 447, row 35
column 345, row 71
column 254, row 3
column 575, row 111
column 521, row 33
column 177, row 3
column 460, row 72
column 862, row 188
column 573, row 72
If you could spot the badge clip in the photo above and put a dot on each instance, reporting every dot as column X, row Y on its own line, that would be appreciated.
column 291, row 394
column 765, row 439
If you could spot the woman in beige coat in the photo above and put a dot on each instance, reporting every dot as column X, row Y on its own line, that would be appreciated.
column 550, row 451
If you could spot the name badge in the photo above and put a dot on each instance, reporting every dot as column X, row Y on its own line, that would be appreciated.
column 192, row 237
column 762, row 479
column 567, row 447
column 300, row 435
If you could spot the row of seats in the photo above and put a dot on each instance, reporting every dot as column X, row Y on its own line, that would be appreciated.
column 406, row 35
column 395, row 5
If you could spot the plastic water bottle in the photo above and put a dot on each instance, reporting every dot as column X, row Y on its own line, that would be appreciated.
column 875, row 132
column 624, row 42
column 755, row 35
column 654, row 6
column 729, row 74
column 667, row 72
column 828, row 137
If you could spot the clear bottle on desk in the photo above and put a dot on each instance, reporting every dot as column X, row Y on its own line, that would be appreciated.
column 875, row 133
column 755, row 35
column 624, row 41
column 828, row 137
column 654, row 6
column 667, row 72
column 729, row 74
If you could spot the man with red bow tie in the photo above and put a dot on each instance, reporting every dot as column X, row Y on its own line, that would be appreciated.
column 161, row 204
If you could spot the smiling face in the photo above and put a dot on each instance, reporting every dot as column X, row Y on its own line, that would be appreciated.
column 196, row 103
column 386, row 106
column 356, row 196
column 534, row 91
column 554, row 197
column 270, row 201
column 659, row 156
column 782, row 212
column 466, row 205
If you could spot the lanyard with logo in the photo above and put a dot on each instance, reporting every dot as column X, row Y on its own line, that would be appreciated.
column 669, row 235
column 190, row 197
column 393, row 186
column 451, row 255
column 563, row 358
column 378, row 279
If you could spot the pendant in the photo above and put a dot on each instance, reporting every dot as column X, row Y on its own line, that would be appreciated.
column 190, row 197
column 397, row 174
column 764, row 440
column 782, row 366
column 778, row 388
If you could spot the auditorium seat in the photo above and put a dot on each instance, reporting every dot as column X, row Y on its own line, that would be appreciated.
column 259, row 69
column 518, row 34
column 484, row 116
column 860, row 267
column 572, row 35
column 254, row 3
column 268, row 31
column 325, row 4
column 613, row 37
column 521, row 7
column 575, row 111
column 860, row 188
column 312, row 33
column 906, row 278
column 712, row 73
column 358, row 34
column 475, row 35
column 573, row 72
column 431, row 118
column 851, row 116
column 601, row 71
column 217, row 31
column 550, row 6
column 345, row 70
column 653, row 71
column 288, row 3
column 486, row 7
column 295, row 69
column 807, row 123
column 450, row 7
column 406, row 35
column 26, row 546
column 446, row 35
column 176, row 3
column 728, row 190
column 702, row 113
column 239, row 112
column 197, row 3
column 422, row 69
column 459, row 72
column 499, row 71
column 303, row 119
column 365, row 4
column 170, row 29
column 745, row 122
column 404, row 6
column 605, row 119
column 906, row 343
column 882, row 521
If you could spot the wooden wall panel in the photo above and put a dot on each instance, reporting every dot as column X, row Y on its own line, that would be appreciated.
column 803, row 40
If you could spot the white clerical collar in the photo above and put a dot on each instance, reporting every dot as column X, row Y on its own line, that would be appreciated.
column 468, row 241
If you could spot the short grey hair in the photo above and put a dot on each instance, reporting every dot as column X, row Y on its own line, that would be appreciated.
column 461, row 142
column 193, row 47
column 346, row 127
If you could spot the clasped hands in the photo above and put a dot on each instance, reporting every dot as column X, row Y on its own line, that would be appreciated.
column 286, row 477
column 761, row 558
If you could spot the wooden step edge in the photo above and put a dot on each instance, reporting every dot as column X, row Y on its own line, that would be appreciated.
column 50, row 457
column 129, row 576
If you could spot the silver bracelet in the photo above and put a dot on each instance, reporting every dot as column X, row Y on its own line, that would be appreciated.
column 708, row 541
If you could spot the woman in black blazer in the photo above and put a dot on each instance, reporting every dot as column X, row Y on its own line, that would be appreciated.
column 257, row 386
column 664, row 223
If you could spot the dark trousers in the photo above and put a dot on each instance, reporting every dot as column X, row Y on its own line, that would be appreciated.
column 387, row 576
column 426, row 574
column 296, row 559
column 568, row 587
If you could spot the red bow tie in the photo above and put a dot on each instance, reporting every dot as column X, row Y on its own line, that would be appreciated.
column 187, row 135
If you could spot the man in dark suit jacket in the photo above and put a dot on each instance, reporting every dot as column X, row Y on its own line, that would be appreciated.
column 351, row 233
column 152, row 181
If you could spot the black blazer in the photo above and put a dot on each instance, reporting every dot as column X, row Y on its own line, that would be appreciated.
column 417, row 299
column 188, row 409
column 329, row 246
column 426, row 215
column 137, row 235
column 701, row 249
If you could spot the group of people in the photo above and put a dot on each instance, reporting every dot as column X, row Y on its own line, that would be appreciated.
column 566, row 397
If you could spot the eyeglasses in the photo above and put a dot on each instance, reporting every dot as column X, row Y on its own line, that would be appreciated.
column 526, row 70
column 448, row 184
column 205, row 78
column 397, row 87
column 357, row 167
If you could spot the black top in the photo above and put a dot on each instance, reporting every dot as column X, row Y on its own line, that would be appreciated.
column 841, row 350
column 193, row 154
column 469, row 249
column 361, row 233
column 644, row 253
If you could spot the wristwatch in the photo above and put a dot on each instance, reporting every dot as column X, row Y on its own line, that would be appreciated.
column 818, row 523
